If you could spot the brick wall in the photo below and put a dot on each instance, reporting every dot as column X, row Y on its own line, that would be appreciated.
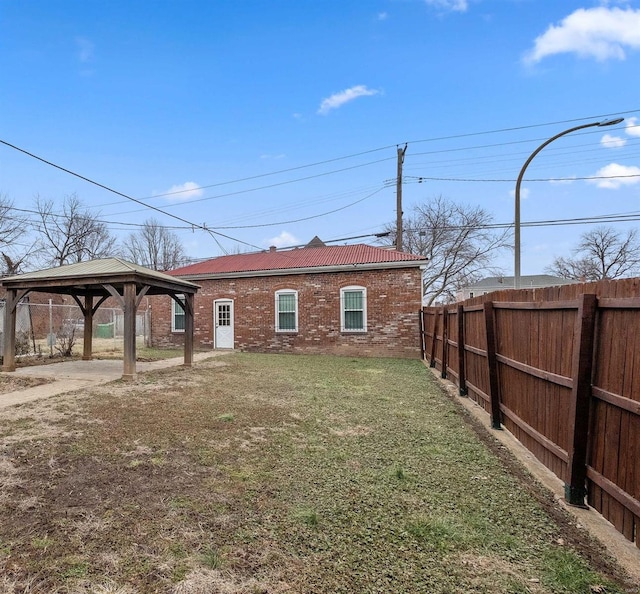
column 393, row 303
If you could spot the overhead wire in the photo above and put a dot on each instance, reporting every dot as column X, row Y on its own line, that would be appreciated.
column 420, row 179
column 305, row 218
column 387, row 147
column 187, row 227
column 370, row 151
column 107, row 188
column 611, row 218
column 270, row 186
column 211, row 229
column 511, row 156
column 297, row 205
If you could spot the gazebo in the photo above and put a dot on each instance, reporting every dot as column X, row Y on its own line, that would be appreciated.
column 90, row 284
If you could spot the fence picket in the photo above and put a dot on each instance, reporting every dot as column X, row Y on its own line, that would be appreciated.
column 462, row 373
column 445, row 342
column 567, row 389
column 494, row 385
column 578, row 421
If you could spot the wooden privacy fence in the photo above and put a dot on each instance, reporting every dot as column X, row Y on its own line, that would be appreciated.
column 560, row 369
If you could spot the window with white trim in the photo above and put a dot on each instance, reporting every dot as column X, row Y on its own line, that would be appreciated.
column 177, row 315
column 286, row 310
column 353, row 309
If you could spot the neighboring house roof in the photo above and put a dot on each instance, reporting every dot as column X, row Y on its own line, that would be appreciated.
column 316, row 242
column 301, row 260
column 507, row 282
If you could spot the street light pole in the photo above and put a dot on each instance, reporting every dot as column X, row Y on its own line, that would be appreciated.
column 516, row 276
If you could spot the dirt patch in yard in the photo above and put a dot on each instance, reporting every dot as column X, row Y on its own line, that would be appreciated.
column 10, row 383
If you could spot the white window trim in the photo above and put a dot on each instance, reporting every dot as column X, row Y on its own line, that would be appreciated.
column 364, row 309
column 173, row 314
column 277, row 311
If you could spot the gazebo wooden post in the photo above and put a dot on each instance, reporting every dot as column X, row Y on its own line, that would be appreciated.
column 129, row 331
column 87, row 348
column 188, row 329
column 9, row 354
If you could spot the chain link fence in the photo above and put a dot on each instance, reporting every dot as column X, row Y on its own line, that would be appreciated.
column 52, row 329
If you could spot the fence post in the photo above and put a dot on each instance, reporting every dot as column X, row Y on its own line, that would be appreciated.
column 113, row 325
column 432, row 362
column 462, row 378
column 445, row 338
column 50, row 337
column 421, row 325
column 582, row 366
column 494, row 385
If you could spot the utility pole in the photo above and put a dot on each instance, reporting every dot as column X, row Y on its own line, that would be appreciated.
column 401, row 152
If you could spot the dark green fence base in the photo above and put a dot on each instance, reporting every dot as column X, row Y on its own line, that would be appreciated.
column 575, row 496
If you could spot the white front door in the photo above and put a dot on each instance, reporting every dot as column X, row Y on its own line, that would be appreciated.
column 223, row 323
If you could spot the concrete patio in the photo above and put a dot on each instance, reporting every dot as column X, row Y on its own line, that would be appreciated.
column 74, row 375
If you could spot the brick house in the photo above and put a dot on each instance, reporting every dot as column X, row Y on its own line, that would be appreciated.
column 345, row 300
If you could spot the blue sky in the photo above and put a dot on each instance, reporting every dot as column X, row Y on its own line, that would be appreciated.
column 272, row 122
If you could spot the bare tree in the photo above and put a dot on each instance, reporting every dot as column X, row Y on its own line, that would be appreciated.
column 154, row 246
column 602, row 253
column 10, row 265
column 11, row 225
column 458, row 241
column 13, row 254
column 73, row 235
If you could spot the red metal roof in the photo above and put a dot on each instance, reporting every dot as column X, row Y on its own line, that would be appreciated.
column 341, row 255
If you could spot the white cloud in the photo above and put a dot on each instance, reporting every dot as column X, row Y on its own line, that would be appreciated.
column 609, row 141
column 633, row 128
column 85, row 49
column 268, row 157
column 454, row 5
column 601, row 33
column 183, row 192
column 617, row 176
column 339, row 99
column 383, row 16
column 285, row 239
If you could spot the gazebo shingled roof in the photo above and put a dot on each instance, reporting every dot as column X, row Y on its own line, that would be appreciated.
column 126, row 282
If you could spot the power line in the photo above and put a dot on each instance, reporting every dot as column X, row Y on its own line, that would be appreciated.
column 210, row 230
column 141, row 225
column 95, row 183
column 622, row 218
column 261, row 175
column 420, row 179
column 297, row 204
column 516, row 128
column 270, row 186
column 611, row 218
column 390, row 146
column 501, row 158
column 306, row 218
column 370, row 151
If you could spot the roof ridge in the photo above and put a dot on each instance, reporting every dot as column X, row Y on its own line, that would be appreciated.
column 320, row 258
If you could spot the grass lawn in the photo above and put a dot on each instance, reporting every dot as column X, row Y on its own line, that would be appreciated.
column 272, row 474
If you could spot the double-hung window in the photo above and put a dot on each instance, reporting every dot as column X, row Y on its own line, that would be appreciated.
column 286, row 310
column 177, row 314
column 353, row 309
